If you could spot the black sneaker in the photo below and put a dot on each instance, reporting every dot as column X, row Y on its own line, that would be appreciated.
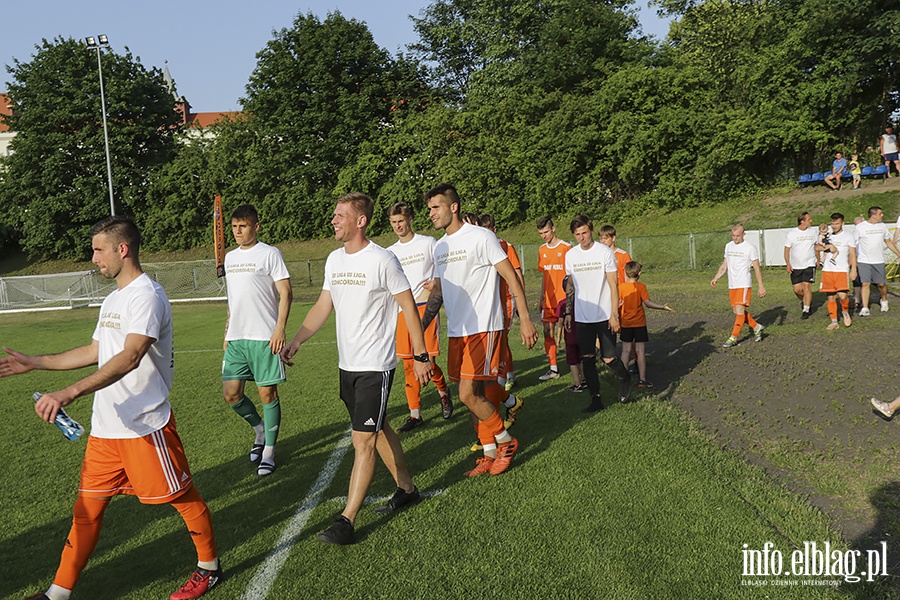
column 804, row 314
column 399, row 500
column 340, row 533
column 633, row 368
column 446, row 405
column 625, row 388
column 575, row 388
column 411, row 423
column 595, row 405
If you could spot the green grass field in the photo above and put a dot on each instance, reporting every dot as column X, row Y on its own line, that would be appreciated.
column 636, row 501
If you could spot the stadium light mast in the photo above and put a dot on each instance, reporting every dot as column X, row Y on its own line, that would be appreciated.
column 101, row 41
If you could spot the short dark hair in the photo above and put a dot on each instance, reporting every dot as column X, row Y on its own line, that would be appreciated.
column 361, row 203
column 470, row 218
column 874, row 210
column 400, row 208
column 836, row 216
column 633, row 268
column 801, row 216
column 119, row 229
column 446, row 190
column 608, row 230
column 245, row 212
column 581, row 221
column 486, row 220
column 545, row 222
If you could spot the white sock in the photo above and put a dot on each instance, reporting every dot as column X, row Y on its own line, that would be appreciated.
column 805, row 308
column 511, row 376
column 510, row 402
column 503, row 437
column 209, row 565
column 501, row 381
column 268, row 454
column 260, row 433
column 58, row 593
column 415, row 413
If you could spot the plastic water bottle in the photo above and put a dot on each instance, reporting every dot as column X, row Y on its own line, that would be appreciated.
column 71, row 428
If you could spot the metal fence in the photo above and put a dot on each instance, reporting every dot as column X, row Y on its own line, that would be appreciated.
column 196, row 280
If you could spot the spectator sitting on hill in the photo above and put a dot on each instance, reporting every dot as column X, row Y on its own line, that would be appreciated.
column 838, row 169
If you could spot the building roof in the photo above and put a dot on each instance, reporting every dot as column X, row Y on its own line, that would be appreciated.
column 4, row 110
column 205, row 119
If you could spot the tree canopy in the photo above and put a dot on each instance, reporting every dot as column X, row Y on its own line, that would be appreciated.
column 530, row 107
column 54, row 185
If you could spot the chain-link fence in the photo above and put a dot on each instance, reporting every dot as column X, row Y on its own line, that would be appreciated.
column 196, row 280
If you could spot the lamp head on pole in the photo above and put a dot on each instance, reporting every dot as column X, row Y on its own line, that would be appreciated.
column 97, row 42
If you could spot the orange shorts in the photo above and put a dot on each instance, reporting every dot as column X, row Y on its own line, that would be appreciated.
column 548, row 315
column 404, row 344
column 740, row 296
column 474, row 357
column 835, row 282
column 154, row 467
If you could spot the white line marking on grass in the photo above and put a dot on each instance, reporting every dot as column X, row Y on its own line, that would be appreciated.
column 262, row 582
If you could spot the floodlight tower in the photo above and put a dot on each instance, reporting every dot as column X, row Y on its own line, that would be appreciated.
column 101, row 41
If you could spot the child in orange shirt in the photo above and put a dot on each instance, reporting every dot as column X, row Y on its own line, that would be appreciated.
column 633, row 297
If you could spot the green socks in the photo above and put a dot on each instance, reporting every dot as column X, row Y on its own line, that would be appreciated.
column 272, row 416
column 247, row 411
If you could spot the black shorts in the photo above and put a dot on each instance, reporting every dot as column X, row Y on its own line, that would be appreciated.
column 807, row 275
column 634, row 334
column 588, row 333
column 366, row 394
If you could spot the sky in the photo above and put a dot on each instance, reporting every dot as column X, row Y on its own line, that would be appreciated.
column 210, row 46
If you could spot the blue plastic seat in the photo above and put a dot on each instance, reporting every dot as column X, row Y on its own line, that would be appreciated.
column 804, row 178
column 881, row 170
column 867, row 171
column 816, row 177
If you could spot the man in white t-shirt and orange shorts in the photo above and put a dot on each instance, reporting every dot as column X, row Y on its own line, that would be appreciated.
column 740, row 257
column 416, row 255
column 838, row 269
column 133, row 447
column 364, row 285
column 467, row 261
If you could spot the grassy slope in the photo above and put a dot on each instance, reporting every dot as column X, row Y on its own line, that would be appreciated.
column 779, row 209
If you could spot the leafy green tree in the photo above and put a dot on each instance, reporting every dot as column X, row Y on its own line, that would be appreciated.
column 55, row 183
column 321, row 90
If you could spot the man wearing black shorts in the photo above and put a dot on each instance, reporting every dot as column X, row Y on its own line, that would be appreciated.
column 800, row 260
column 364, row 284
column 591, row 293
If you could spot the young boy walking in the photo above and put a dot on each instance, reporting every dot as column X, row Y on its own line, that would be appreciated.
column 635, row 297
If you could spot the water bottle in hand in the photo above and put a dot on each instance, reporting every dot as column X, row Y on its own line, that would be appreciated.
column 71, row 428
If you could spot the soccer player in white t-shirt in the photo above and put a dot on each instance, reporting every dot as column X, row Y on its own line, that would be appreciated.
column 416, row 255
column 800, row 260
column 871, row 237
column 740, row 257
column 133, row 447
column 259, row 303
column 364, row 284
column 592, row 304
column 467, row 261
column 839, row 260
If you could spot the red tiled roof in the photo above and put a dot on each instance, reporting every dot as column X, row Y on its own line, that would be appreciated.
column 205, row 119
column 4, row 110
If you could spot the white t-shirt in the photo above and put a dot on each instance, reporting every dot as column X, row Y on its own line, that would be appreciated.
column 136, row 405
column 870, row 241
column 587, row 270
column 740, row 259
column 889, row 144
column 803, row 247
column 464, row 262
column 362, row 286
column 417, row 259
column 252, row 297
column 843, row 241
